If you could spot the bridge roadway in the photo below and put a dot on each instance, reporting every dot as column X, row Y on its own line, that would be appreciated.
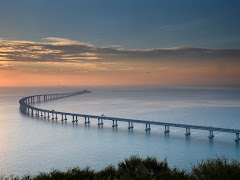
column 27, row 108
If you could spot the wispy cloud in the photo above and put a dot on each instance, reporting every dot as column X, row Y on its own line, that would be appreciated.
column 64, row 41
column 66, row 50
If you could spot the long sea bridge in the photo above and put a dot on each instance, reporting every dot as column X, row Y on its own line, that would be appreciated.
column 27, row 108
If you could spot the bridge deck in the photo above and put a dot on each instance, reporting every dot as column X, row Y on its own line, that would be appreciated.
column 23, row 105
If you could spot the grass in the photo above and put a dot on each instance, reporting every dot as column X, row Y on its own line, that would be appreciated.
column 144, row 169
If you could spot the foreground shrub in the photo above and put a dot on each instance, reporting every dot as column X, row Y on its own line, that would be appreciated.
column 144, row 169
column 219, row 168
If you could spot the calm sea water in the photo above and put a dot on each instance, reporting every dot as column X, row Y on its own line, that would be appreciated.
column 30, row 145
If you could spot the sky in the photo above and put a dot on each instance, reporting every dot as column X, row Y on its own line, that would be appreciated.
column 104, row 43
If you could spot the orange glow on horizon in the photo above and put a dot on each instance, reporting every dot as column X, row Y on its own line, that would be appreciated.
column 107, row 74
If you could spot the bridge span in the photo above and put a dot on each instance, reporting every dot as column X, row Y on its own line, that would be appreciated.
column 27, row 108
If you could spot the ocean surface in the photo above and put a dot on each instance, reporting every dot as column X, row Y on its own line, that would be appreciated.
column 31, row 145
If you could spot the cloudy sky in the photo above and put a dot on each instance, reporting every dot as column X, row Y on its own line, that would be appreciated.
column 109, row 42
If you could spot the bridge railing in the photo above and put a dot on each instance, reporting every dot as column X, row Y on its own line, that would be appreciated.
column 26, row 106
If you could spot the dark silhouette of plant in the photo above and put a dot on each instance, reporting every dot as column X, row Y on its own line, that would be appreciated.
column 219, row 168
column 144, row 169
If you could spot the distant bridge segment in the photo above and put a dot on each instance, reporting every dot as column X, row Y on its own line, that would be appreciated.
column 27, row 108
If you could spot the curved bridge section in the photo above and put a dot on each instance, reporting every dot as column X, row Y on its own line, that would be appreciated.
column 27, row 108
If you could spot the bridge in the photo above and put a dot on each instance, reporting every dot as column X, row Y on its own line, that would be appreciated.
column 27, row 108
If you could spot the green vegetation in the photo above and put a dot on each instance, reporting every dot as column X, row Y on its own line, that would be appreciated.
column 144, row 169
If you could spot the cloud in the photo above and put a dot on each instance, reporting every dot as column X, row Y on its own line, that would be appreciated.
column 66, row 50
column 64, row 41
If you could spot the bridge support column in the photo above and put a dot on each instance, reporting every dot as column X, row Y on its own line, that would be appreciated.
column 211, row 134
column 86, row 122
column 65, row 117
column 147, row 128
column 73, row 119
column 44, row 115
column 76, row 119
column 114, row 125
column 48, row 115
column 62, row 118
column 130, row 125
column 56, row 117
column 100, row 121
column 166, row 129
column 41, row 114
column 237, row 137
column 187, row 132
column 52, row 116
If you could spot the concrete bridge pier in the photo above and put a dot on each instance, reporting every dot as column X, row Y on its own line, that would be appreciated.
column 148, row 128
column 48, row 115
column 41, row 114
column 100, row 121
column 76, row 119
column 44, row 115
column 73, row 119
column 237, row 137
column 187, row 132
column 65, row 117
column 62, row 118
column 56, row 117
column 211, row 134
column 166, row 129
column 114, row 125
column 52, row 116
column 130, row 125
column 87, row 121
